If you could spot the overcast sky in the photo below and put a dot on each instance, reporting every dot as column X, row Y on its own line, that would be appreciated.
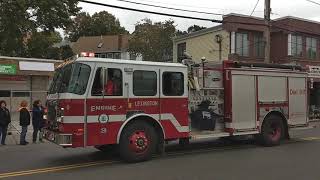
column 298, row 8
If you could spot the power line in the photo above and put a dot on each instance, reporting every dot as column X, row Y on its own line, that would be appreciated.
column 314, row 2
column 183, row 5
column 150, row 12
column 255, row 7
column 176, row 9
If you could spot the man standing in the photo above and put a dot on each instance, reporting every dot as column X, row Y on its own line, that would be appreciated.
column 24, row 122
column 5, row 120
column 37, row 120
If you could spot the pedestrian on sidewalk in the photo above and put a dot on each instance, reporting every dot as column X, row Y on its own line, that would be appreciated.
column 37, row 120
column 5, row 120
column 24, row 121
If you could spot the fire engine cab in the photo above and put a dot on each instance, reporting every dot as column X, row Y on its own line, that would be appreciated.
column 137, row 106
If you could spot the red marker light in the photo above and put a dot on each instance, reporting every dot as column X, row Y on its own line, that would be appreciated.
column 86, row 54
column 83, row 54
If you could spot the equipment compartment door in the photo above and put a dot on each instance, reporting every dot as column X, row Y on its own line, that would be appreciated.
column 297, row 101
column 243, row 101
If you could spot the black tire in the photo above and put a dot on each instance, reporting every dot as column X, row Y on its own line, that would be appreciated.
column 272, row 131
column 138, row 135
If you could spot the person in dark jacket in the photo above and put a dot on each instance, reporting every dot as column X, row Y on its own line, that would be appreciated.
column 5, row 120
column 37, row 120
column 24, row 122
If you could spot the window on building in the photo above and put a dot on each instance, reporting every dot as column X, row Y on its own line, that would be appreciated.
column 242, row 44
column 110, row 55
column 103, row 55
column 259, row 45
column 296, row 46
column 117, row 55
column 133, row 56
column 21, row 94
column 4, row 93
column 182, row 47
column 107, row 82
column 144, row 83
column 100, row 45
column 311, row 48
column 172, row 84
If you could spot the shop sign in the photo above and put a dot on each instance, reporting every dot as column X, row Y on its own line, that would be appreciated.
column 8, row 69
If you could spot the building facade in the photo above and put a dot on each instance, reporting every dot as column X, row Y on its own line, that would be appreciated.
column 113, row 46
column 296, row 41
column 25, row 79
column 293, row 41
column 247, row 37
column 211, row 43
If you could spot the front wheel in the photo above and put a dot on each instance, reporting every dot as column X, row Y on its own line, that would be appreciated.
column 138, row 142
column 272, row 131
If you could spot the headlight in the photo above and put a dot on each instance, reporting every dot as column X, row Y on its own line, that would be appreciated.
column 60, row 119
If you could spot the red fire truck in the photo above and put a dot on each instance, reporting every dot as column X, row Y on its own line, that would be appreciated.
column 137, row 106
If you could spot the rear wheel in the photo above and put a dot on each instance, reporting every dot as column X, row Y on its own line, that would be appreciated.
column 272, row 131
column 138, row 142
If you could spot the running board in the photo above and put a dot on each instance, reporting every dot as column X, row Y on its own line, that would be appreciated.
column 246, row 133
column 209, row 136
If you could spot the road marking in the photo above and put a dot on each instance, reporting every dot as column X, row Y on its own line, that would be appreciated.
column 310, row 138
column 96, row 163
column 54, row 169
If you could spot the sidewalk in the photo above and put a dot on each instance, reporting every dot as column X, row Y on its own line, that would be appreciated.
column 14, row 130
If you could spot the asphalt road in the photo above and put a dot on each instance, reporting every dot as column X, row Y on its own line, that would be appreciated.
column 296, row 159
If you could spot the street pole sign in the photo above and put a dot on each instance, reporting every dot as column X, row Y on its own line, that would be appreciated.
column 8, row 69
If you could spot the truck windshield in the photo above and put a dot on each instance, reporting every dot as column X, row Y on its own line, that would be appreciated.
column 72, row 78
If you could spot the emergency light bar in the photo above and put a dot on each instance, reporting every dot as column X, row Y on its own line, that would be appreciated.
column 86, row 54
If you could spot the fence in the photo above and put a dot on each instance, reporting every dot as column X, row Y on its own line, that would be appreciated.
column 14, row 99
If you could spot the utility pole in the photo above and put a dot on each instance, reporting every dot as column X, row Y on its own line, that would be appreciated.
column 267, row 12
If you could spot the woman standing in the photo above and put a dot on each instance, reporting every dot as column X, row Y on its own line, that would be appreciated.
column 5, row 120
column 37, row 120
column 24, row 122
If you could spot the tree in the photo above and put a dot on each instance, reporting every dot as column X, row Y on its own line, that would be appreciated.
column 66, row 52
column 180, row 33
column 195, row 28
column 101, row 23
column 20, row 19
column 153, row 40
column 40, row 45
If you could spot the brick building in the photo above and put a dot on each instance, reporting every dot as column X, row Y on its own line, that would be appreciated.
column 293, row 41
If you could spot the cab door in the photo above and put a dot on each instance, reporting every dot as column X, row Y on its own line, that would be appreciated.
column 174, row 103
column 142, row 86
column 106, row 104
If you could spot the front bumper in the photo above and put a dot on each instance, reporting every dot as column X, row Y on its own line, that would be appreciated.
column 60, row 139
